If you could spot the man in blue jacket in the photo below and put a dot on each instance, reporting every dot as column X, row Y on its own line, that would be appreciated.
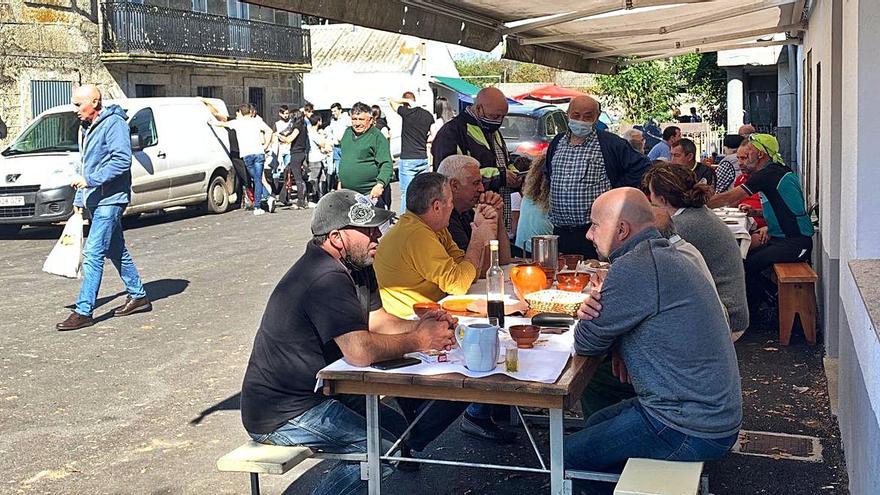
column 104, row 188
column 583, row 163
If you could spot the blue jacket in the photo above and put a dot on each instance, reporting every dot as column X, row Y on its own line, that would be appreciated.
column 105, row 153
column 623, row 165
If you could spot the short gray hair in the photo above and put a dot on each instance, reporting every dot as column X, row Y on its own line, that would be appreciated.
column 632, row 135
column 424, row 189
column 453, row 166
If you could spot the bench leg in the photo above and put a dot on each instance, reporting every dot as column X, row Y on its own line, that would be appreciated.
column 797, row 299
column 255, row 484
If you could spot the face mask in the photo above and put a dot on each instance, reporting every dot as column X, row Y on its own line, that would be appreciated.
column 490, row 125
column 580, row 128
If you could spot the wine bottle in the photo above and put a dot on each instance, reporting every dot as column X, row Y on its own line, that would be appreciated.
column 495, row 286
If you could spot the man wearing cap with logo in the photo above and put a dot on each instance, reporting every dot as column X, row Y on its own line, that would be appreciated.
column 789, row 227
column 327, row 307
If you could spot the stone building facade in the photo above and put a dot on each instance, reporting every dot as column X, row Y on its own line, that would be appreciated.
column 229, row 50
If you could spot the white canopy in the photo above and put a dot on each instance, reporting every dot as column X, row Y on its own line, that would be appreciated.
column 577, row 35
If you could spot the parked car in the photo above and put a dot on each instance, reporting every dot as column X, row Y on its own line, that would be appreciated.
column 528, row 130
column 178, row 159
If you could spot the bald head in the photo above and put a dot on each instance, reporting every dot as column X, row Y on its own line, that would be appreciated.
column 87, row 100
column 745, row 130
column 490, row 104
column 618, row 215
column 584, row 109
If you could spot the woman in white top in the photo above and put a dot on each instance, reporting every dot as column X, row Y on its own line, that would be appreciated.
column 317, row 153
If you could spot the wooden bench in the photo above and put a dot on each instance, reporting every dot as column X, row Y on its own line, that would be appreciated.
column 797, row 296
column 654, row 477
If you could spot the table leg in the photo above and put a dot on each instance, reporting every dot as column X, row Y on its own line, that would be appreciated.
column 558, row 484
column 374, row 438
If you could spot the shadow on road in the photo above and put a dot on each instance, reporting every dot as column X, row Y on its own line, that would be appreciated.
column 232, row 403
column 156, row 290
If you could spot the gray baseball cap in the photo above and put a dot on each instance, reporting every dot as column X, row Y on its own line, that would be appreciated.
column 344, row 208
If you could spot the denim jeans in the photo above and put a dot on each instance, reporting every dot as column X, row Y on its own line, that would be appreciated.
column 625, row 430
column 341, row 428
column 407, row 170
column 105, row 241
column 254, row 164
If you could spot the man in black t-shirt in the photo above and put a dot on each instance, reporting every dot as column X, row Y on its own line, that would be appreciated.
column 325, row 308
column 684, row 154
column 413, row 141
column 789, row 230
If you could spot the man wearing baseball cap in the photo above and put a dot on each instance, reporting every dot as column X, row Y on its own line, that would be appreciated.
column 327, row 307
column 789, row 228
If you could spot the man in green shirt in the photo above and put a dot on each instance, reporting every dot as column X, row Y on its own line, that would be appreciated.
column 365, row 165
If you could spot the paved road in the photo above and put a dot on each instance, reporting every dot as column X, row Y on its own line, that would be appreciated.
column 147, row 403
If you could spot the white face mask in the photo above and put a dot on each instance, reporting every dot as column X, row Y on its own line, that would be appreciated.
column 580, row 128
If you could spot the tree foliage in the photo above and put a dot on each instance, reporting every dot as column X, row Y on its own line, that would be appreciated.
column 484, row 70
column 653, row 89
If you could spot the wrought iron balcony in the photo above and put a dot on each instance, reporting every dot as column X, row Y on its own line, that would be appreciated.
column 132, row 28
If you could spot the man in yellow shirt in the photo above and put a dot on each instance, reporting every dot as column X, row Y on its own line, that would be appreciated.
column 417, row 260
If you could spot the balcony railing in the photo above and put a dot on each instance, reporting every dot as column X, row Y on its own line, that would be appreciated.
column 136, row 28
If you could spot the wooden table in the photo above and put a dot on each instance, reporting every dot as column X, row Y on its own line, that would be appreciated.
column 496, row 389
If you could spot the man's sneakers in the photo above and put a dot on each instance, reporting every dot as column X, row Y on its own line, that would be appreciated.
column 258, row 211
column 132, row 306
column 485, row 429
column 271, row 203
column 74, row 322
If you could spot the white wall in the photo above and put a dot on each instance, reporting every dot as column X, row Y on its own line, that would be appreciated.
column 849, row 176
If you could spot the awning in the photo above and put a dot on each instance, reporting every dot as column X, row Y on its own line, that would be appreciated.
column 577, row 35
column 458, row 85
column 550, row 93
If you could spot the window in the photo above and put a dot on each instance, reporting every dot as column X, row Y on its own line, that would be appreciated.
column 52, row 132
column 561, row 121
column 238, row 10
column 550, row 125
column 519, row 127
column 256, row 97
column 209, row 91
column 200, row 5
column 149, row 90
column 144, row 126
column 48, row 94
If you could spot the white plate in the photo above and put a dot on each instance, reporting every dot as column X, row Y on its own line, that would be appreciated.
column 11, row 200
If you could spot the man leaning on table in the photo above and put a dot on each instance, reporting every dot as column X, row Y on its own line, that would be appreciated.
column 327, row 307
column 664, row 319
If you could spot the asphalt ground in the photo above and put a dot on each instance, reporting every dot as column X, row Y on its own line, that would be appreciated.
column 148, row 402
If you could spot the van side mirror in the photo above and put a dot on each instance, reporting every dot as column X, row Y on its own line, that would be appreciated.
column 136, row 141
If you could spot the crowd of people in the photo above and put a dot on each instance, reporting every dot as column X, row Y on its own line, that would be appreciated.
column 676, row 298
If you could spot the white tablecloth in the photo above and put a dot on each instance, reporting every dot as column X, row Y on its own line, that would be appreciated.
column 739, row 226
column 544, row 363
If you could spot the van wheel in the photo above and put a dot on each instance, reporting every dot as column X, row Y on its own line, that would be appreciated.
column 218, row 196
column 9, row 230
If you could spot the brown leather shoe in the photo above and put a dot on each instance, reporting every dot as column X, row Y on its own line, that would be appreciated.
column 133, row 306
column 74, row 322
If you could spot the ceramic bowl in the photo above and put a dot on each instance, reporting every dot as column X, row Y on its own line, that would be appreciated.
column 420, row 308
column 525, row 335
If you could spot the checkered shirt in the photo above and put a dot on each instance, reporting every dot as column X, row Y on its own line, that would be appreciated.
column 725, row 173
column 578, row 177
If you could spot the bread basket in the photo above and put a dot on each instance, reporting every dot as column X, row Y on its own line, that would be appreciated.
column 554, row 301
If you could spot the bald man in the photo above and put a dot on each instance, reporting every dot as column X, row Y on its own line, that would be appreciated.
column 475, row 132
column 583, row 163
column 662, row 317
column 104, row 188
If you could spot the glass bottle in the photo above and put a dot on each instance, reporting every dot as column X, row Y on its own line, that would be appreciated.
column 495, row 286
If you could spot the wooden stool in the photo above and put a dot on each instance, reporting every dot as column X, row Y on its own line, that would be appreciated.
column 797, row 295
column 655, row 477
column 256, row 459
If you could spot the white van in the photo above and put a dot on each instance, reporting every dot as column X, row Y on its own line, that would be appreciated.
column 178, row 159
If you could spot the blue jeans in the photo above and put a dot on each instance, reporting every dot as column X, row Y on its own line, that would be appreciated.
column 479, row 411
column 341, row 428
column 105, row 241
column 625, row 430
column 254, row 164
column 406, row 171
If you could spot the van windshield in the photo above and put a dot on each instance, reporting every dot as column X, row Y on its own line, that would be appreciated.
column 52, row 132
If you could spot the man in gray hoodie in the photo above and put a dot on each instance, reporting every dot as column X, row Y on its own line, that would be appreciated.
column 663, row 318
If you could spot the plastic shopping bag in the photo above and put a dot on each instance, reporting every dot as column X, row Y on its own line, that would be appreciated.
column 66, row 257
